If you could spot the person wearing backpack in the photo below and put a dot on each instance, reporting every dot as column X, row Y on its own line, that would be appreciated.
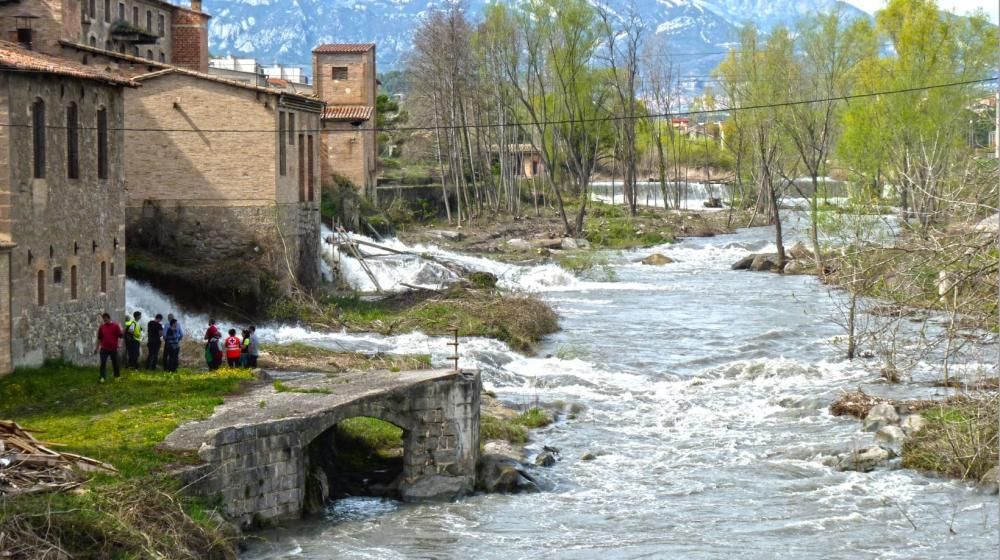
column 233, row 350
column 133, row 340
column 172, row 340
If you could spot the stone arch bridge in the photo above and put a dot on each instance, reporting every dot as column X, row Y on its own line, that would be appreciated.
column 258, row 449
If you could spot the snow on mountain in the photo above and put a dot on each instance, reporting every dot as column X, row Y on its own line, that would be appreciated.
column 287, row 30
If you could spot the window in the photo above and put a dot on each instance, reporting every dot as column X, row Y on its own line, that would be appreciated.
column 291, row 128
column 107, row 11
column 339, row 73
column 38, row 137
column 102, row 143
column 163, row 57
column 24, row 35
column 149, row 21
column 72, row 282
column 309, row 179
column 302, row 170
column 121, row 48
column 121, row 10
column 72, row 143
column 135, row 51
column 104, row 277
column 40, row 287
column 93, row 42
column 160, row 25
column 93, row 8
column 57, row 275
column 282, row 167
column 112, row 269
column 108, row 46
column 135, row 16
column 149, row 54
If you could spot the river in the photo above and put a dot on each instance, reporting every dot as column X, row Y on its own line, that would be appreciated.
column 706, row 394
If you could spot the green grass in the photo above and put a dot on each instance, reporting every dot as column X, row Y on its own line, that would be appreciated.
column 375, row 433
column 367, row 444
column 281, row 387
column 138, row 513
column 513, row 430
column 960, row 439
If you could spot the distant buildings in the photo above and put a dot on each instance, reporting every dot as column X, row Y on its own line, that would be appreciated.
column 62, row 206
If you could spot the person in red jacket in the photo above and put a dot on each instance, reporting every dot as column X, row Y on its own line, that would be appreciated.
column 212, row 337
column 233, row 350
column 108, row 335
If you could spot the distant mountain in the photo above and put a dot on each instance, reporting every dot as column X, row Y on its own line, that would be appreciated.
column 286, row 30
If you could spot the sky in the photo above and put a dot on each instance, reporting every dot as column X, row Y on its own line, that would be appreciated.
column 957, row 6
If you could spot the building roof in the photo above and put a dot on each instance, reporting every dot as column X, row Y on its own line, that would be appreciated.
column 348, row 113
column 13, row 57
column 184, row 71
column 278, row 82
column 344, row 48
column 112, row 54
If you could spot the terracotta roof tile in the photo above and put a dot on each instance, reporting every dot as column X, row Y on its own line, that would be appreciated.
column 344, row 48
column 278, row 82
column 348, row 113
column 13, row 57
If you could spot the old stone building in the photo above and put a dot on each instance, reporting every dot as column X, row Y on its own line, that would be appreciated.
column 62, row 206
column 344, row 77
column 95, row 31
column 223, row 172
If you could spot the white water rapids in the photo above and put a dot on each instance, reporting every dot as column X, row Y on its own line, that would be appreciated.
column 706, row 394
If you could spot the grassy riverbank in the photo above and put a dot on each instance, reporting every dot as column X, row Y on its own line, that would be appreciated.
column 139, row 513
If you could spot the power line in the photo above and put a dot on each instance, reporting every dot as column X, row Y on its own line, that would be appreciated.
column 667, row 114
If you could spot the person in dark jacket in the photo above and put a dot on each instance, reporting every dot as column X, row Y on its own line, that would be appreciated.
column 133, row 340
column 213, row 353
column 172, row 341
column 154, row 334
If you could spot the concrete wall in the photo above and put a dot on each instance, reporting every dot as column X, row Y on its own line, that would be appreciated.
column 358, row 89
column 61, row 223
column 261, row 470
column 208, row 193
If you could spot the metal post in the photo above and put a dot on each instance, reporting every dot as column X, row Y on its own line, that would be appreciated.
column 454, row 356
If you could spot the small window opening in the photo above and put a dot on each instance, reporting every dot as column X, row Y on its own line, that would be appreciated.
column 57, row 275
column 339, row 73
column 73, row 283
column 40, row 287
column 104, row 277
column 38, row 137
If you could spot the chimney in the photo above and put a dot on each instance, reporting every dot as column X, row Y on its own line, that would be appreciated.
column 196, row 5
column 189, row 44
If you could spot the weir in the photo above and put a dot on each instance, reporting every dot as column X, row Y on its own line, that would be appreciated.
column 260, row 450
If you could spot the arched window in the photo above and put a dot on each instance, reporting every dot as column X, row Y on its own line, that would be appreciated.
column 104, row 277
column 72, row 282
column 102, row 143
column 163, row 57
column 40, row 288
column 38, row 137
column 93, row 42
column 72, row 142
column 149, row 54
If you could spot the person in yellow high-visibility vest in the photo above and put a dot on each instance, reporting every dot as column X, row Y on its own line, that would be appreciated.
column 133, row 340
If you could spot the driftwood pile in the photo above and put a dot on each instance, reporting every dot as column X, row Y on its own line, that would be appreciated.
column 28, row 465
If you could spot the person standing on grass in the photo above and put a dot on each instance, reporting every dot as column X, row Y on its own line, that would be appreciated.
column 245, row 349
column 232, row 349
column 133, row 339
column 213, row 355
column 172, row 340
column 254, row 349
column 154, row 334
column 180, row 333
column 108, row 335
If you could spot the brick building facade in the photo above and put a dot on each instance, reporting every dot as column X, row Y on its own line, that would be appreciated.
column 200, row 193
column 154, row 30
column 62, row 206
column 344, row 77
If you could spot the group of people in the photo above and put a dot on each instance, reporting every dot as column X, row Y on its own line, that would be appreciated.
column 238, row 352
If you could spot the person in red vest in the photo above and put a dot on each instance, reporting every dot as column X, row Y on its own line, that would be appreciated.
column 233, row 350
column 108, row 335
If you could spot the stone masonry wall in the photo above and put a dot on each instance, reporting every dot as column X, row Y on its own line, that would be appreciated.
column 60, row 224
column 260, row 470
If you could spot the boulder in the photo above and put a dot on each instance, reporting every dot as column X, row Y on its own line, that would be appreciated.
column 800, row 251
column 437, row 488
column 989, row 224
column 582, row 243
column 569, row 244
column 588, row 456
column 795, row 267
column 713, row 202
column 517, row 244
column 912, row 424
column 880, row 416
column 764, row 263
column 547, row 243
column 744, row 263
column 497, row 473
column 503, row 448
column 546, row 459
column 864, row 460
column 990, row 482
column 657, row 259
column 449, row 235
column 891, row 437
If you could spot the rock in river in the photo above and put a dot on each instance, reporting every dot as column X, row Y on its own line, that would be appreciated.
column 657, row 259
column 891, row 437
column 517, row 244
column 497, row 473
column 545, row 459
column 864, row 460
column 913, row 423
column 744, row 263
column 880, row 416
